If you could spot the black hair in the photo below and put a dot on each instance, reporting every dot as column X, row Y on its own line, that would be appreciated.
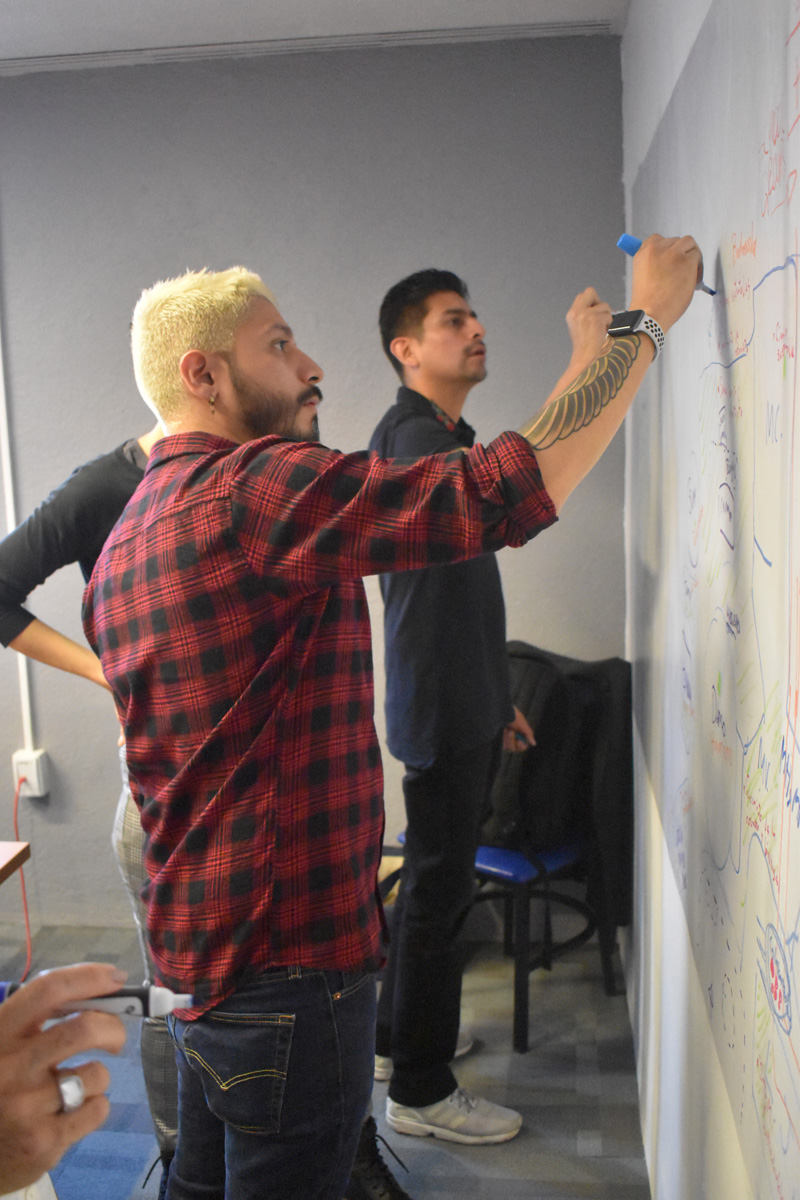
column 403, row 308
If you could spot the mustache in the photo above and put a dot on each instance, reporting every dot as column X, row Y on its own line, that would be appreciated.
column 309, row 394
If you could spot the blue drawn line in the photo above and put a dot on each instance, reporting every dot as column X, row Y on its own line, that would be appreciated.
column 792, row 259
column 761, row 552
column 760, row 728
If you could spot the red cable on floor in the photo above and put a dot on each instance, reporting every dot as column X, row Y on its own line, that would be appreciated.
column 24, row 975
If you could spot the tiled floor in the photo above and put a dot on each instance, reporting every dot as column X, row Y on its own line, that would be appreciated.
column 576, row 1089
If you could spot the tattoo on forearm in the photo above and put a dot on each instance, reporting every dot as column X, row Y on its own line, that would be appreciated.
column 585, row 398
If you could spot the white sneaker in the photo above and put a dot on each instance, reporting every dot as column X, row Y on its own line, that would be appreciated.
column 383, row 1063
column 460, row 1117
column 383, row 1068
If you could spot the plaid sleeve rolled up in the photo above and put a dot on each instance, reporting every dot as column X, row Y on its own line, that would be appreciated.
column 323, row 516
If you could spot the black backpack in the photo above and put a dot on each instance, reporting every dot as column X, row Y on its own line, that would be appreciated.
column 577, row 781
column 541, row 797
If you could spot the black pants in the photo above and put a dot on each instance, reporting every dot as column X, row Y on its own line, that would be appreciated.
column 420, row 1001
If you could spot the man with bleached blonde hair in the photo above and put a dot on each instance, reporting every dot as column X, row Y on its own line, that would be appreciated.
column 204, row 309
column 200, row 309
column 229, row 614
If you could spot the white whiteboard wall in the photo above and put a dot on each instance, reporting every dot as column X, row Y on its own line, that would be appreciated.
column 714, row 568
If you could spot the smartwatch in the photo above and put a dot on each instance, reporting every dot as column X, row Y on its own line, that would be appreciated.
column 636, row 320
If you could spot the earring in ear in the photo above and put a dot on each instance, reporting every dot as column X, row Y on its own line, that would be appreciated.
column 212, row 400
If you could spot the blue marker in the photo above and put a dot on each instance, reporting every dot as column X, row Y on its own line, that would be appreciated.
column 631, row 244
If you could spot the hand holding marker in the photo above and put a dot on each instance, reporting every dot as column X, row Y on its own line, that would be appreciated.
column 147, row 1001
column 631, row 244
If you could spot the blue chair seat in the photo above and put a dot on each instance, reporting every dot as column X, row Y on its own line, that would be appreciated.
column 512, row 866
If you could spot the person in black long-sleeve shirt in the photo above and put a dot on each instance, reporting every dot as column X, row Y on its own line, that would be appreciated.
column 71, row 526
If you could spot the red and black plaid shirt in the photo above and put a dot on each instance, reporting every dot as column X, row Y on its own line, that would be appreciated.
column 229, row 614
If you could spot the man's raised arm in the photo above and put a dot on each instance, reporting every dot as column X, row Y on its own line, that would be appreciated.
column 573, row 430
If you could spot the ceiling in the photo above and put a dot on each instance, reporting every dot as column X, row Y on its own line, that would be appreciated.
column 37, row 35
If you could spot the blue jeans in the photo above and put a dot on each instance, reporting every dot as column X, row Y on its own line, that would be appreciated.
column 273, row 1086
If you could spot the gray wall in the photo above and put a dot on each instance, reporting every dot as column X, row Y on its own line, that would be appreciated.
column 332, row 175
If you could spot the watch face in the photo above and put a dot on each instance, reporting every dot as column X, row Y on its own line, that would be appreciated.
column 625, row 322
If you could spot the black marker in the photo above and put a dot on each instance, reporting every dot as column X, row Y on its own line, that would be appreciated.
column 147, row 1001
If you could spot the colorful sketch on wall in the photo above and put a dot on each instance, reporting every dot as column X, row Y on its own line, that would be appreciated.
column 713, row 506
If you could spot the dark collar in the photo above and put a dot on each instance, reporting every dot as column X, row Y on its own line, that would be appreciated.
column 408, row 398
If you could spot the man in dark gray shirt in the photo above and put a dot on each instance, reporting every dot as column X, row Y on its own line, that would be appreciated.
column 448, row 712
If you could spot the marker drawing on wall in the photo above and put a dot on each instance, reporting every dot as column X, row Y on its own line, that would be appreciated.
column 716, row 561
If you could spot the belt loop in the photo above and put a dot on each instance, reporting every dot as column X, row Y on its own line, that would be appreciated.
column 295, row 972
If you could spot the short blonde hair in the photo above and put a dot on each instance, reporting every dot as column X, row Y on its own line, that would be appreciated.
column 200, row 310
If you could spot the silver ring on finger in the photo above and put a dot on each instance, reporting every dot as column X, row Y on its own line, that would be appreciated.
column 72, row 1092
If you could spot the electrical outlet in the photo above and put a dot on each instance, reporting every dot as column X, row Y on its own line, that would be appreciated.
column 32, row 766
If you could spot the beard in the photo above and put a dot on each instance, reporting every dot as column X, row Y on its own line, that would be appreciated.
column 263, row 413
column 476, row 369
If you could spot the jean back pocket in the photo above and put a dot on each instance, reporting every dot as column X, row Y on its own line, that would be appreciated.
column 242, row 1060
